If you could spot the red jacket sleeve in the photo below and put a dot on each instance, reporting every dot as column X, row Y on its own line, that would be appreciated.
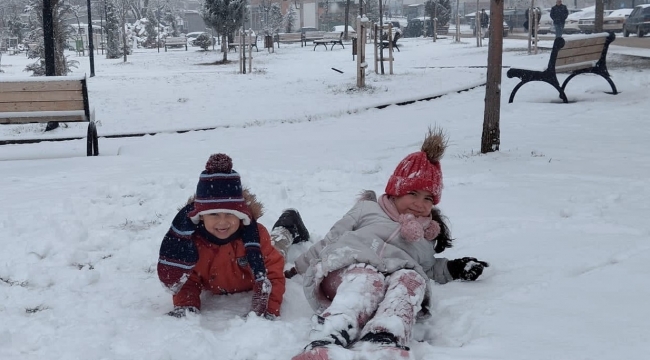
column 190, row 293
column 274, row 263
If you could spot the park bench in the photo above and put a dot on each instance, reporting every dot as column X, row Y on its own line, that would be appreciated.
column 385, row 43
column 330, row 38
column 290, row 38
column 313, row 35
column 176, row 42
column 583, row 55
column 247, row 40
column 42, row 100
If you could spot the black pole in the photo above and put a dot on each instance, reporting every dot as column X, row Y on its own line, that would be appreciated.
column 48, row 38
column 90, row 42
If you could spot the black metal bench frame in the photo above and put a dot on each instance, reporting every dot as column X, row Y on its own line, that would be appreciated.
column 550, row 74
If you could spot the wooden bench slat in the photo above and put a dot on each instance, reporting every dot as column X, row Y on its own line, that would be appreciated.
column 31, row 96
column 570, row 44
column 43, row 116
column 575, row 66
column 577, row 59
column 591, row 49
column 63, row 85
column 42, row 106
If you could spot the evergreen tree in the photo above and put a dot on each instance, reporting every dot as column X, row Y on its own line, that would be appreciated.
column 224, row 16
column 113, row 35
column 170, row 19
column 151, row 27
column 60, row 12
column 290, row 19
column 443, row 11
column 275, row 18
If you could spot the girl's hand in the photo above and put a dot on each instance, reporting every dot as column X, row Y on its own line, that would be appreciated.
column 467, row 268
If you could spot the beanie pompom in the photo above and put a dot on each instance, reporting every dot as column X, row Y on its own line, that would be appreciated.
column 411, row 230
column 432, row 231
column 434, row 144
column 219, row 164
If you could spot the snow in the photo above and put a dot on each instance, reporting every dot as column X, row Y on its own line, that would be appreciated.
column 560, row 212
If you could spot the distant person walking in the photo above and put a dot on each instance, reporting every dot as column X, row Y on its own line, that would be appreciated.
column 559, row 13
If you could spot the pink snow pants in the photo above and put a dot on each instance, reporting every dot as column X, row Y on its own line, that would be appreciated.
column 366, row 301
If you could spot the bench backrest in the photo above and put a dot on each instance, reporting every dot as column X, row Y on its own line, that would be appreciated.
column 313, row 35
column 570, row 55
column 175, row 40
column 236, row 40
column 289, row 36
column 333, row 35
column 56, row 94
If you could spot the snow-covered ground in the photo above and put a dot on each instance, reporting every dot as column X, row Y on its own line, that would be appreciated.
column 560, row 212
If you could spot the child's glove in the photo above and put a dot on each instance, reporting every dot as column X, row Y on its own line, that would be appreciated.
column 467, row 268
column 181, row 311
column 261, row 293
column 290, row 273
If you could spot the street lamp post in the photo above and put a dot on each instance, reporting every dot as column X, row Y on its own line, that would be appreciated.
column 90, row 42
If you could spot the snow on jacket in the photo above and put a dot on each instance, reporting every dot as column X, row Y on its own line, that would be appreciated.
column 362, row 236
column 223, row 269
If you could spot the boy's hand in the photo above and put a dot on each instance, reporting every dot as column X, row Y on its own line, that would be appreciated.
column 467, row 268
column 290, row 273
column 181, row 311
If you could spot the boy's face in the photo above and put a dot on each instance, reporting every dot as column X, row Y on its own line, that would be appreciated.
column 221, row 225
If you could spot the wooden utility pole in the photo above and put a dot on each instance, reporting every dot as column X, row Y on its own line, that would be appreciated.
column 598, row 20
column 490, row 139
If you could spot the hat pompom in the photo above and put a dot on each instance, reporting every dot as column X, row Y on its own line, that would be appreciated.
column 434, row 144
column 219, row 164
column 432, row 231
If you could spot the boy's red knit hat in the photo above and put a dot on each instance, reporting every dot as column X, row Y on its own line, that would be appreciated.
column 219, row 190
column 421, row 170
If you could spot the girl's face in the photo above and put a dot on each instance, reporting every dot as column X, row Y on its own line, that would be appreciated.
column 417, row 202
column 221, row 225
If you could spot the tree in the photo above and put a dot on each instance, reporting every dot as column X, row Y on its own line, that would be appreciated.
column 275, row 19
column 290, row 19
column 440, row 9
column 60, row 12
column 113, row 50
column 224, row 16
column 204, row 40
column 491, row 136
column 151, row 27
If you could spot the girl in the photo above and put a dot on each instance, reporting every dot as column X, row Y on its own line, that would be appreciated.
column 368, row 278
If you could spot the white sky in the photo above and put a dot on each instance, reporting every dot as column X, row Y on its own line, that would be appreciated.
column 560, row 212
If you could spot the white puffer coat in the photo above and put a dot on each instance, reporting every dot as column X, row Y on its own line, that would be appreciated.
column 362, row 236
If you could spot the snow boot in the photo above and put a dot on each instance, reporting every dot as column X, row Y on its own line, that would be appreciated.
column 381, row 346
column 291, row 220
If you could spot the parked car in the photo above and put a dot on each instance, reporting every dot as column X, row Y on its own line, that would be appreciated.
column 638, row 22
column 587, row 23
column 572, row 21
column 192, row 36
column 546, row 23
column 307, row 28
column 341, row 28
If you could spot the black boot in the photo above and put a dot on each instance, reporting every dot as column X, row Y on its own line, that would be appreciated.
column 383, row 338
column 291, row 220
